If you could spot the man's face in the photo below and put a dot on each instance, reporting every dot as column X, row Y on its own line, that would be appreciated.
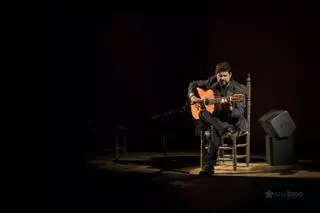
column 223, row 78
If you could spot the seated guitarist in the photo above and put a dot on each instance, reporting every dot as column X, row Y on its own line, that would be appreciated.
column 227, row 116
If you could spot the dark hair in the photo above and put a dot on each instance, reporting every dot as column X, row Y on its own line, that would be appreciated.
column 223, row 67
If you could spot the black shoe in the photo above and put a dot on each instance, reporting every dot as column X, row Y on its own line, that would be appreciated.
column 208, row 170
column 229, row 131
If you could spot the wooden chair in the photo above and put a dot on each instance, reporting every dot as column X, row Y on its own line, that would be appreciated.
column 223, row 148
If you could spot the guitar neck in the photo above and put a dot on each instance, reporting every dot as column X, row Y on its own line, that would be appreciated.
column 213, row 100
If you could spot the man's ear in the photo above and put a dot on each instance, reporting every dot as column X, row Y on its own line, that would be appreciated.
column 230, row 74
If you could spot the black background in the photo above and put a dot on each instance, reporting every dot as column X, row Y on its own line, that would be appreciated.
column 124, row 63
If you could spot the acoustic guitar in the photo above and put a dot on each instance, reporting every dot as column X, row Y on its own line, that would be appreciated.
column 209, row 100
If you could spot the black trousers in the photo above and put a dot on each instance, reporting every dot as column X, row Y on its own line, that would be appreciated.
column 217, row 127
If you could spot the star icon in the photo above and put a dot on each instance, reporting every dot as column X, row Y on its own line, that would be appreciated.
column 268, row 194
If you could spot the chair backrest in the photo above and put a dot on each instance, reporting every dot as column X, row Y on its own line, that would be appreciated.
column 248, row 98
column 248, row 136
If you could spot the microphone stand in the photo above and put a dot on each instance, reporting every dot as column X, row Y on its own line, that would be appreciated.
column 162, row 117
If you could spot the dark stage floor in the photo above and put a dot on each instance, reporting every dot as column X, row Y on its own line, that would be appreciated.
column 135, row 184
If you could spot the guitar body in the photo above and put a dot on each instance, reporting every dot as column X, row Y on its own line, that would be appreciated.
column 203, row 94
column 212, row 99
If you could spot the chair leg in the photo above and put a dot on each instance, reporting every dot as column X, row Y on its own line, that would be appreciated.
column 248, row 157
column 234, row 153
column 248, row 151
column 222, row 150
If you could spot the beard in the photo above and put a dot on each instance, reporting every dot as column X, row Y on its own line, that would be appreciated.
column 223, row 83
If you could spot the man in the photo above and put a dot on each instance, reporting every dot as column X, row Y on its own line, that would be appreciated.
column 227, row 117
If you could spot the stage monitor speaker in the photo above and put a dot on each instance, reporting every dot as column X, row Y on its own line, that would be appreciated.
column 280, row 151
column 277, row 124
